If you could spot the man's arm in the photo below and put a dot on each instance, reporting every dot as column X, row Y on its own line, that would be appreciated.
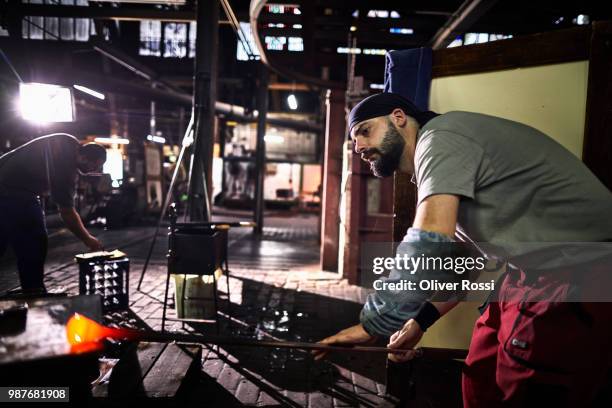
column 73, row 222
column 436, row 215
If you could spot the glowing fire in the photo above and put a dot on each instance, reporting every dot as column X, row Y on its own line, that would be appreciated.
column 86, row 335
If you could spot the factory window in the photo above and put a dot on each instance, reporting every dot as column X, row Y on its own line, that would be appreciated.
column 51, row 30
column 457, row 42
column 57, row 28
column 275, row 43
column 150, row 38
column 276, row 8
column 175, row 40
column 246, row 48
column 495, row 37
column 193, row 29
column 33, row 26
column 479, row 38
column 67, row 25
column 380, row 14
column 296, row 44
column 401, row 30
column 582, row 19
column 83, row 29
column 346, row 50
column 475, row 38
column 374, row 51
column 366, row 51
column 283, row 9
column 67, row 29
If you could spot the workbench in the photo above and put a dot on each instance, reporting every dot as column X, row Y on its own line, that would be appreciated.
column 34, row 350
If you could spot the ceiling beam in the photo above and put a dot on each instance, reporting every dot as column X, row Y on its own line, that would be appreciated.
column 142, row 91
column 187, row 81
column 131, row 64
column 461, row 20
column 113, row 13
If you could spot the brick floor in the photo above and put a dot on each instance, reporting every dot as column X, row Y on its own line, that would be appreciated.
column 276, row 292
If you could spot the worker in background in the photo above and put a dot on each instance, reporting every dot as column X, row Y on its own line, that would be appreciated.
column 46, row 164
column 497, row 181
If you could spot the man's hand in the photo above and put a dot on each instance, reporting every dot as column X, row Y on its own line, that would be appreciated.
column 73, row 222
column 352, row 335
column 93, row 243
column 406, row 338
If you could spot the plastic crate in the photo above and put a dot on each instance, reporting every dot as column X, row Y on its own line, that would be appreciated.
column 108, row 278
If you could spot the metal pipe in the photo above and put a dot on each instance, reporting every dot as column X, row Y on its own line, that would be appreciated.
column 204, row 97
column 260, row 148
column 237, row 112
column 421, row 352
column 465, row 15
column 229, row 12
column 135, row 89
column 81, row 330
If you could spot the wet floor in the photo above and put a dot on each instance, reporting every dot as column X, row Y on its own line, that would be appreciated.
column 276, row 292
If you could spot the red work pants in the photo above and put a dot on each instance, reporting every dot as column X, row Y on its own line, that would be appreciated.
column 539, row 353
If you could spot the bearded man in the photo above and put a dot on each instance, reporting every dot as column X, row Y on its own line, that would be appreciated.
column 500, row 182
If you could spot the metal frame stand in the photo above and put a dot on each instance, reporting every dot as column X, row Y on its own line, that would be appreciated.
column 224, row 265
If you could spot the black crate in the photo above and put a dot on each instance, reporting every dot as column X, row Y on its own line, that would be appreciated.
column 108, row 278
column 196, row 250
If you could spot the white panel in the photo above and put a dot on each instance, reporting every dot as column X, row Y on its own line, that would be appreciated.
column 551, row 98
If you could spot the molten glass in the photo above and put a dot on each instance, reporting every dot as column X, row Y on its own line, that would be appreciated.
column 87, row 335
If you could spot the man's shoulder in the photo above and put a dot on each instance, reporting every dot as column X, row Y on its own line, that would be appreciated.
column 62, row 145
column 454, row 119
column 473, row 129
column 450, row 130
column 59, row 138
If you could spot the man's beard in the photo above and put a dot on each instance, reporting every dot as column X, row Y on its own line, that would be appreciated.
column 390, row 152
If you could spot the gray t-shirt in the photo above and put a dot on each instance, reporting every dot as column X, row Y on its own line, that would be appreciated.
column 519, row 188
column 23, row 171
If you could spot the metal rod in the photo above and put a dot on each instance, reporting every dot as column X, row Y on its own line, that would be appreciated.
column 229, row 12
column 140, row 72
column 422, row 352
column 185, row 144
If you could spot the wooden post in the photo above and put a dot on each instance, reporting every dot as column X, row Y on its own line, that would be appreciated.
column 597, row 147
column 335, row 132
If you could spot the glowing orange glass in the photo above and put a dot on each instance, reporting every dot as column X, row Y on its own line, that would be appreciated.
column 86, row 335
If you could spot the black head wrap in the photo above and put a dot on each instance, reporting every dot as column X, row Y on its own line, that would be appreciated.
column 383, row 104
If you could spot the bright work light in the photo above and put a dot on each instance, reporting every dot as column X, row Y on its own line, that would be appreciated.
column 292, row 102
column 45, row 103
